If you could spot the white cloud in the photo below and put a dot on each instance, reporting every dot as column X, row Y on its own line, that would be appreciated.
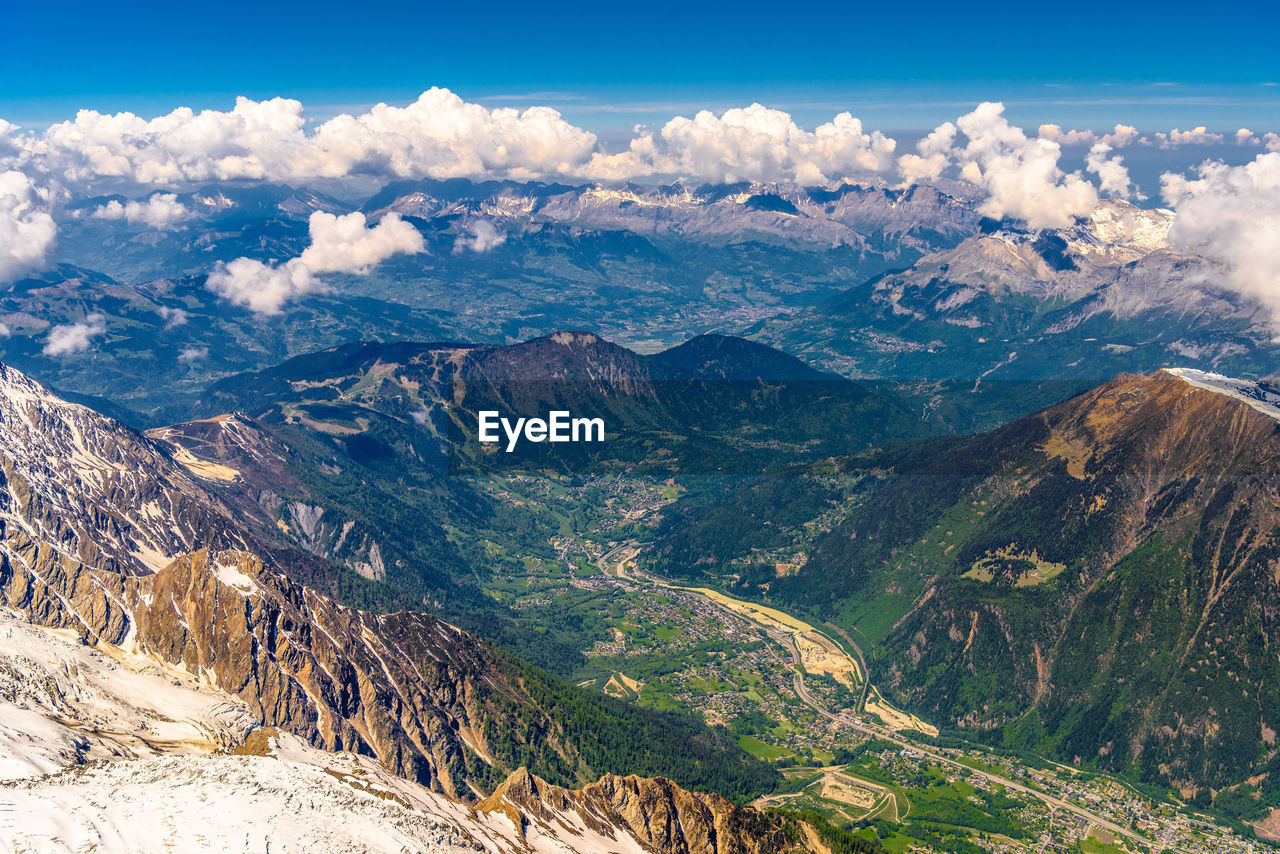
column 172, row 316
column 1195, row 136
column 193, row 354
column 934, row 155
column 752, row 143
column 1113, row 177
column 482, row 237
column 339, row 244
column 27, row 229
column 161, row 211
column 1020, row 174
column 1119, row 137
column 342, row 244
column 4, row 330
column 262, row 288
column 1231, row 216
column 1055, row 133
column 74, row 337
column 1271, row 141
column 439, row 135
column 1244, row 136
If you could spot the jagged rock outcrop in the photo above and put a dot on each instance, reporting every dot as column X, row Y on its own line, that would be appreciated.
column 407, row 688
column 94, row 488
column 663, row 817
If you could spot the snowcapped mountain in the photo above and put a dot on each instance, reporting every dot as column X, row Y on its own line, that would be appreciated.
column 867, row 217
column 1065, row 307
column 106, row 749
column 1261, row 396
column 1116, row 261
column 94, row 490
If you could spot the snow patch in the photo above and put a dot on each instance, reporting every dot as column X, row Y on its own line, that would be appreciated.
column 233, row 577
column 1265, row 401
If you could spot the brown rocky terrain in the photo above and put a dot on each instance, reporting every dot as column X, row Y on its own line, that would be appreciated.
column 665, row 818
column 415, row 692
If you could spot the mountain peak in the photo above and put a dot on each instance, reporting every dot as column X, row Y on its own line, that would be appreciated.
column 94, row 487
column 1257, row 395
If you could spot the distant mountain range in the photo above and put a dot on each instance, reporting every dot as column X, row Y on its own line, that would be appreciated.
column 982, row 320
column 1010, row 320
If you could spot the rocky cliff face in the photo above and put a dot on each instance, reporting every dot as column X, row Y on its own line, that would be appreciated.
column 406, row 688
column 117, row 752
column 86, row 500
column 95, row 489
column 664, row 818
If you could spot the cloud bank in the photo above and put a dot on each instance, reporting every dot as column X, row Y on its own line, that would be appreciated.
column 752, row 143
column 438, row 136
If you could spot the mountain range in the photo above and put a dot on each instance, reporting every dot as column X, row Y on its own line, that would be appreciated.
column 885, row 485
column 980, row 320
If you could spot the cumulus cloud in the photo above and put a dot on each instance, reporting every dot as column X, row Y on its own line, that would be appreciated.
column 1244, row 136
column 339, row 244
column 193, row 354
column 172, row 316
column 27, row 229
column 1231, row 216
column 1271, row 141
column 1020, row 175
column 68, row 338
column 933, row 157
column 1055, row 133
column 439, row 135
column 260, row 287
column 161, row 211
column 752, row 143
column 1119, row 137
column 1196, row 136
column 482, row 237
column 342, row 244
column 1113, row 177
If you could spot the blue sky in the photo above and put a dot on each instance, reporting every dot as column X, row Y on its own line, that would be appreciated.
column 607, row 66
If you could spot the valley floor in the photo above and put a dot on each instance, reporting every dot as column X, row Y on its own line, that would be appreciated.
column 798, row 695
